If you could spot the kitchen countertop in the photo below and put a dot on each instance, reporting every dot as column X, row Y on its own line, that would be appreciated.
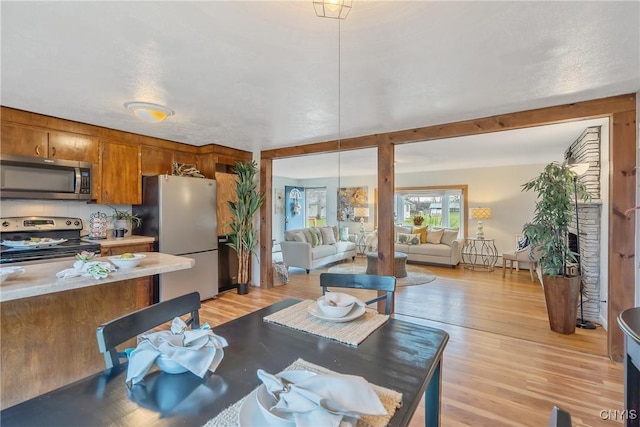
column 111, row 241
column 40, row 279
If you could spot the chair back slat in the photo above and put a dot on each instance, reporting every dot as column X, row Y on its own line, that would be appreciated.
column 362, row 281
column 117, row 331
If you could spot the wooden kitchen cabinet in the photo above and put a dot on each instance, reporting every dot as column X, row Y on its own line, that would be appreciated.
column 225, row 191
column 186, row 158
column 121, row 178
column 70, row 146
column 36, row 142
column 159, row 161
column 207, row 165
column 24, row 141
column 155, row 161
column 144, row 285
column 120, row 249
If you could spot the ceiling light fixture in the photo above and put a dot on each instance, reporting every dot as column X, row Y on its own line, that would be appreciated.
column 151, row 113
column 335, row 9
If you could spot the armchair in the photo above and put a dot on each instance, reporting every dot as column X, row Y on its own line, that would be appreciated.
column 526, row 254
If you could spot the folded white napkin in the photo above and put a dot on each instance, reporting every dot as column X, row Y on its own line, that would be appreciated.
column 342, row 300
column 324, row 399
column 95, row 269
column 197, row 350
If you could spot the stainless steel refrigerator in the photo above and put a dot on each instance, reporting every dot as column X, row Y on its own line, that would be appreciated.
column 180, row 212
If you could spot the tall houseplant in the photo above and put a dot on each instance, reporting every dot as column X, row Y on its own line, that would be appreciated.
column 244, row 237
column 548, row 232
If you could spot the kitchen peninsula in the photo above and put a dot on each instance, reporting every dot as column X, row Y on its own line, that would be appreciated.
column 49, row 325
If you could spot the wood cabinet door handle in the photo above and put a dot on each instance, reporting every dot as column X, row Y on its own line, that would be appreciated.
column 53, row 151
column 38, row 150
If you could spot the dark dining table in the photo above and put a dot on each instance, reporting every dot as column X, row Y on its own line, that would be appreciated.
column 400, row 355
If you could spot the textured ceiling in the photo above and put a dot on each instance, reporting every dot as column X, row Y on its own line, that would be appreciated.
column 264, row 74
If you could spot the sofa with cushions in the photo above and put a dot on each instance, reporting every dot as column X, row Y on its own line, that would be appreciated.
column 313, row 247
column 430, row 245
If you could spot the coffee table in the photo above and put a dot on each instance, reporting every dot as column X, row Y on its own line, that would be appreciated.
column 399, row 264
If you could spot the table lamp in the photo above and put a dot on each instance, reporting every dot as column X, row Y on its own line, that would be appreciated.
column 362, row 213
column 479, row 214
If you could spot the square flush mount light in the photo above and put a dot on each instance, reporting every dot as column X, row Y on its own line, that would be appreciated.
column 152, row 113
column 336, row 9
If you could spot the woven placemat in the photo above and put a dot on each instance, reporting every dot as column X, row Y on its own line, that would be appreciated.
column 352, row 333
column 391, row 400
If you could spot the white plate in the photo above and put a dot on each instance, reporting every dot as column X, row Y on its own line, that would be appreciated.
column 355, row 312
column 266, row 400
column 250, row 415
column 30, row 244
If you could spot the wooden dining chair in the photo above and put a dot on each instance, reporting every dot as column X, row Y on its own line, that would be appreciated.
column 362, row 281
column 117, row 331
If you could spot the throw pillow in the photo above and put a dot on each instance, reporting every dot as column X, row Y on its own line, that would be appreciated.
column 307, row 234
column 408, row 239
column 327, row 236
column 422, row 231
column 336, row 234
column 299, row 237
column 344, row 234
column 414, row 239
column 435, row 235
column 404, row 230
column 523, row 242
column 449, row 235
column 314, row 240
column 318, row 233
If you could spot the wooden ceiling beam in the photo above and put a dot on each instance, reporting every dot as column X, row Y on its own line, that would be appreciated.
column 519, row 120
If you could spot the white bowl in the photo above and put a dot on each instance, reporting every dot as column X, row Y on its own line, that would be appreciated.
column 332, row 310
column 169, row 366
column 127, row 262
column 266, row 400
column 10, row 273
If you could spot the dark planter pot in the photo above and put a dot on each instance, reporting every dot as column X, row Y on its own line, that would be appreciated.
column 243, row 288
column 561, row 295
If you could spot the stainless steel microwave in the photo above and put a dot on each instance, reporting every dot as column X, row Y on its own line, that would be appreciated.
column 44, row 178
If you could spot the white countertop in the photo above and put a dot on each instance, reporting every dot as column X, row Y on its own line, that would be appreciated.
column 40, row 279
column 112, row 241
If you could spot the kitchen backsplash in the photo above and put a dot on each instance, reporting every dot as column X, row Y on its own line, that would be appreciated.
column 82, row 210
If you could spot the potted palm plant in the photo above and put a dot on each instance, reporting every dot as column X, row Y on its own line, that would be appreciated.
column 548, row 231
column 244, row 237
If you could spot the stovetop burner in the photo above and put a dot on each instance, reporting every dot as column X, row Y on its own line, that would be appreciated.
column 25, row 228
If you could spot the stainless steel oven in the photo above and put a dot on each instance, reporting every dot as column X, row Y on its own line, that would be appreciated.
column 36, row 239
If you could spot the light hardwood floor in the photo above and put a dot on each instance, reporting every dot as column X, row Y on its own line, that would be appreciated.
column 502, row 365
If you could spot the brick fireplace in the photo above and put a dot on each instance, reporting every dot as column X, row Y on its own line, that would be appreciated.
column 586, row 149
